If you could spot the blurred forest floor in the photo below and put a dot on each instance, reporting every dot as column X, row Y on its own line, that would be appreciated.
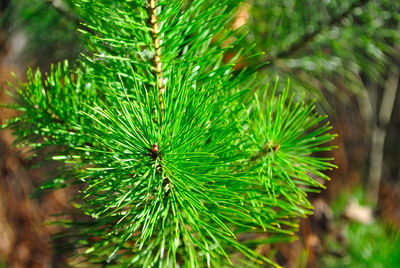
column 25, row 237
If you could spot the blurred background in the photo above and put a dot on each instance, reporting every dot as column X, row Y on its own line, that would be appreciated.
column 345, row 54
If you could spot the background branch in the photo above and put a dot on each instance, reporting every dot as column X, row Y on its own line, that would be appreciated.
column 307, row 38
column 62, row 10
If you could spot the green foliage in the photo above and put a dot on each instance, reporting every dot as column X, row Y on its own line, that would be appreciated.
column 370, row 245
column 373, row 244
column 180, row 158
column 325, row 45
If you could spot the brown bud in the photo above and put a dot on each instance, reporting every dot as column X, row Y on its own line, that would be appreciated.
column 276, row 147
column 154, row 148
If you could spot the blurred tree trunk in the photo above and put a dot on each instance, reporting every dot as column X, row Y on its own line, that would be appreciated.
column 379, row 134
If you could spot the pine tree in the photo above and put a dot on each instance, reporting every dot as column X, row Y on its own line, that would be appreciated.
column 181, row 158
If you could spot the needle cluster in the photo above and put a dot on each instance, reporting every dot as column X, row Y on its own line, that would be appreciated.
column 182, row 160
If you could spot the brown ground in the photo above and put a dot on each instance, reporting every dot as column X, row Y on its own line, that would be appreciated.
column 24, row 236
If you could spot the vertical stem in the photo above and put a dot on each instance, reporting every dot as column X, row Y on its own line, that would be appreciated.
column 159, row 74
column 157, row 57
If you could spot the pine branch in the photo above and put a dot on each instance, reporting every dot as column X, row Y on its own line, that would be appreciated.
column 304, row 41
column 180, row 190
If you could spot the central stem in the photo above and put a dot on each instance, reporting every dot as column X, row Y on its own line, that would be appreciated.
column 159, row 83
column 157, row 57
